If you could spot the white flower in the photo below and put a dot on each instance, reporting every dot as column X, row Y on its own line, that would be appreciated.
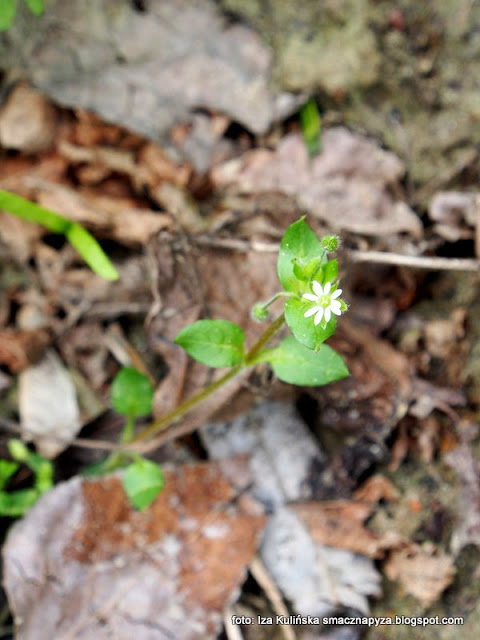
column 326, row 303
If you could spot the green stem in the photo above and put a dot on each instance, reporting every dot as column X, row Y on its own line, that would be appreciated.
column 160, row 424
column 128, row 430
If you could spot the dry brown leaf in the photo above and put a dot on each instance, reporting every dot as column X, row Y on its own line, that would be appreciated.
column 346, row 186
column 107, row 569
column 20, row 348
column 340, row 524
column 18, row 236
column 120, row 219
column 424, row 572
column 376, row 488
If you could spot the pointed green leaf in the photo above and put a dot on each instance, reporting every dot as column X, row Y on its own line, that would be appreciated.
column 131, row 393
column 79, row 238
column 143, row 480
column 294, row 363
column 311, row 126
column 299, row 247
column 32, row 212
column 330, row 271
column 216, row 343
column 91, row 252
column 303, row 328
column 8, row 9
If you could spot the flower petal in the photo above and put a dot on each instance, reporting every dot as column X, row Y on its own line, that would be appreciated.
column 328, row 314
column 336, row 294
column 337, row 310
column 310, row 296
column 312, row 311
column 319, row 316
column 326, row 288
column 317, row 287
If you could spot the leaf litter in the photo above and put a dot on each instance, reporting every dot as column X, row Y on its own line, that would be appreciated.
column 352, row 187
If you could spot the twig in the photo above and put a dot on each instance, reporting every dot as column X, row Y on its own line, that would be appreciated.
column 416, row 262
column 232, row 630
column 355, row 255
column 264, row 580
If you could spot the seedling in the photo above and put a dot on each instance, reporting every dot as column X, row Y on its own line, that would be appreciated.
column 16, row 503
column 311, row 126
column 312, row 303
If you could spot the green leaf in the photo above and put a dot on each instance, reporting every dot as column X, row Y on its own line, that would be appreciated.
column 143, row 480
column 8, row 9
column 131, row 393
column 294, row 363
column 79, row 238
column 91, row 252
column 311, row 126
column 303, row 328
column 216, row 343
column 32, row 212
column 18, row 450
column 35, row 6
column 330, row 271
column 7, row 469
column 299, row 248
column 17, row 502
column 307, row 271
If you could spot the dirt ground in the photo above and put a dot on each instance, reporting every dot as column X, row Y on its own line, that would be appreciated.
column 190, row 200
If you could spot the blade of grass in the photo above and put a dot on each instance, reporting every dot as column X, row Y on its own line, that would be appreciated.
column 79, row 238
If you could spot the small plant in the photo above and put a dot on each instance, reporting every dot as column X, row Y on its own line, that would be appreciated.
column 312, row 303
column 79, row 238
column 8, row 11
column 311, row 127
column 16, row 503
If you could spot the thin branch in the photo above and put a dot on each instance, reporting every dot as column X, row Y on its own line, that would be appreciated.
column 416, row 262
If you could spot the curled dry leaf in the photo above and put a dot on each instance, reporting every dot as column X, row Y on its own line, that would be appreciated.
column 48, row 407
column 424, row 572
column 109, row 571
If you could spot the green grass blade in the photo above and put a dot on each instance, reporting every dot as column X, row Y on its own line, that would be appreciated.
column 79, row 238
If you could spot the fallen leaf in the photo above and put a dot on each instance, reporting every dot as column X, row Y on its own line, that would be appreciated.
column 340, row 524
column 27, row 121
column 455, row 214
column 346, row 186
column 283, row 457
column 424, row 572
column 317, row 579
column 48, row 408
column 107, row 569
column 20, row 348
